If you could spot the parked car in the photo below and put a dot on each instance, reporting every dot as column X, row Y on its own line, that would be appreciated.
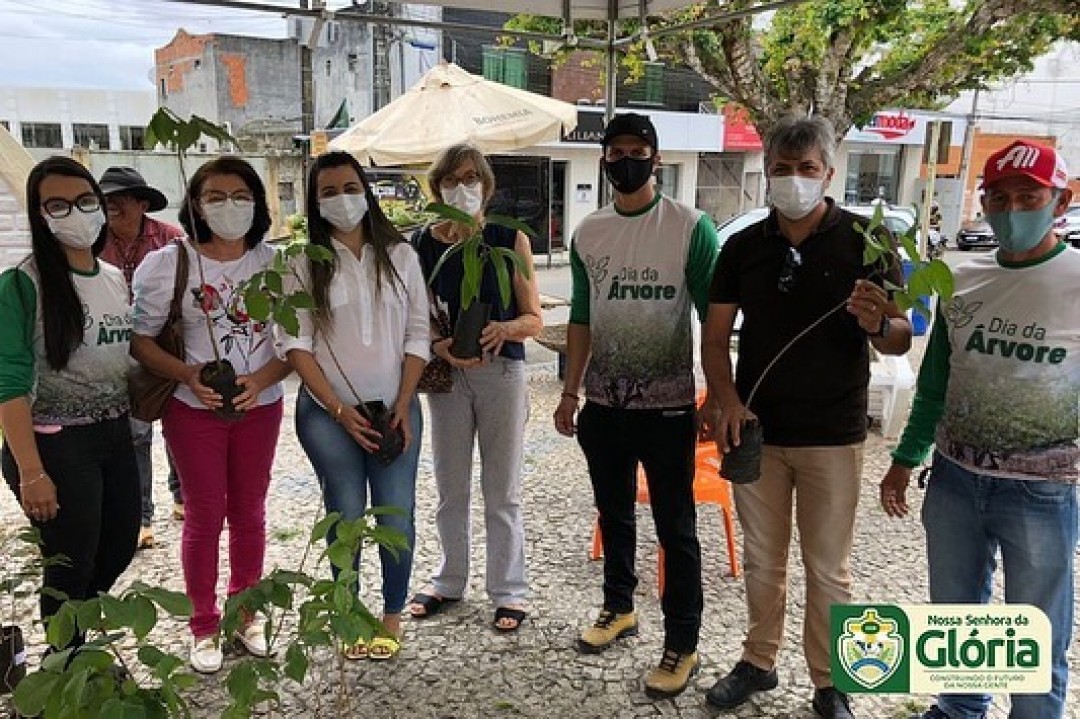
column 1069, row 229
column 897, row 220
column 976, row 234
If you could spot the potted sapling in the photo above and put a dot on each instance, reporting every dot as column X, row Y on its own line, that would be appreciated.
column 179, row 135
column 476, row 257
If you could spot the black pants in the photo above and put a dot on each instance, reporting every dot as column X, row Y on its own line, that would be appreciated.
column 97, row 527
column 614, row 442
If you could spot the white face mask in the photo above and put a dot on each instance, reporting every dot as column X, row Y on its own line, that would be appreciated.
column 467, row 198
column 79, row 230
column 230, row 220
column 795, row 197
column 344, row 211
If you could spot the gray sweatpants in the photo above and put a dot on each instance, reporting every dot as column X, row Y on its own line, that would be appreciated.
column 489, row 403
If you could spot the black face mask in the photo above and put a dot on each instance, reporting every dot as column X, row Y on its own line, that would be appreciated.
column 628, row 174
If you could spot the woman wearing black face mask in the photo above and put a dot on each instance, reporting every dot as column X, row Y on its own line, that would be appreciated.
column 65, row 326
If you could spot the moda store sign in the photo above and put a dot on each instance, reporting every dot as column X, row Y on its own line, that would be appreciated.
column 936, row 648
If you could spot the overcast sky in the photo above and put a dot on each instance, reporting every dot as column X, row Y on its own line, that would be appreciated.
column 108, row 43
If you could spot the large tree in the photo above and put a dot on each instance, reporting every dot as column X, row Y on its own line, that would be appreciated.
column 846, row 59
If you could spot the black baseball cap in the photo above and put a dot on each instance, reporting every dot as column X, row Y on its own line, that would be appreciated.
column 631, row 123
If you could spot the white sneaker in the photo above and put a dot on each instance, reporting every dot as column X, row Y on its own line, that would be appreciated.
column 253, row 636
column 206, row 656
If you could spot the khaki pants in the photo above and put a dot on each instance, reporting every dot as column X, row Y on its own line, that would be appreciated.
column 824, row 484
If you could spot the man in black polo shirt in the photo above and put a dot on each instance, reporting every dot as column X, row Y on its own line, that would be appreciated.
column 804, row 262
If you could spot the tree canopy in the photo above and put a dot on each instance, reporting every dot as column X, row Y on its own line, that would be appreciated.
column 846, row 59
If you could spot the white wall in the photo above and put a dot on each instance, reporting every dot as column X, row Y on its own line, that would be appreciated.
column 1042, row 102
column 14, row 228
column 114, row 108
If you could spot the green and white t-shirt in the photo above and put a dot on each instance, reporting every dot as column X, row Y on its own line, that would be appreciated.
column 93, row 385
column 1002, row 372
column 635, row 277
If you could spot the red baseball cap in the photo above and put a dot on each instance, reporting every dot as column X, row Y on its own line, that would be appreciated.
column 1041, row 163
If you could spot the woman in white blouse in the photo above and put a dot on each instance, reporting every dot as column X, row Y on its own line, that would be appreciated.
column 224, row 464
column 366, row 340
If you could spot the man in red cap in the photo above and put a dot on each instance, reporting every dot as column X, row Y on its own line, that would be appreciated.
column 998, row 395
column 132, row 235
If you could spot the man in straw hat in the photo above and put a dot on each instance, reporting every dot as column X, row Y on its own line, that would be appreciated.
column 132, row 235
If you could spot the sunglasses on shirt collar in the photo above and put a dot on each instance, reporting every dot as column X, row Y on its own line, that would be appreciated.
column 792, row 262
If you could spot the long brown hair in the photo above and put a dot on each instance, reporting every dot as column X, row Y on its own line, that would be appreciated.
column 379, row 233
column 62, row 313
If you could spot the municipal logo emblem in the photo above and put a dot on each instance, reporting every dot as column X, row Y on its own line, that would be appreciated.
column 870, row 648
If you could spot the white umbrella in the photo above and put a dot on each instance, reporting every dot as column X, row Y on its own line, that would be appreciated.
column 449, row 106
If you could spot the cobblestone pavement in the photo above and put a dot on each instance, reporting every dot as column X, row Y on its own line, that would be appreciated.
column 455, row 666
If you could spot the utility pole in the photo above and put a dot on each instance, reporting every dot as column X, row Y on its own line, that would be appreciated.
column 928, row 192
column 965, row 156
column 380, row 95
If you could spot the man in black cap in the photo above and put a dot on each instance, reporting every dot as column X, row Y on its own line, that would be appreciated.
column 132, row 235
column 639, row 266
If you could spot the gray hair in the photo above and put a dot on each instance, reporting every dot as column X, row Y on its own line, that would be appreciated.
column 449, row 159
column 794, row 135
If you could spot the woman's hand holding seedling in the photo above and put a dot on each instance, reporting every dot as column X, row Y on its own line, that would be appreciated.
column 358, row 427
column 493, row 336
column 250, row 396
column 206, row 395
column 442, row 349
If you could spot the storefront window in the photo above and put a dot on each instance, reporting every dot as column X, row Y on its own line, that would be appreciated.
column 872, row 172
column 722, row 189
column 667, row 179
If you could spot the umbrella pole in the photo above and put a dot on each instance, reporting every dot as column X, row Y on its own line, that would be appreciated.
column 609, row 87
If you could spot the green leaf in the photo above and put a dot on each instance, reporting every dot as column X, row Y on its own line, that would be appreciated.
column 273, row 282
column 912, row 249
column 296, row 663
column 241, row 682
column 340, row 555
column 285, row 316
column 318, row 253
column 450, row 252
column 116, row 612
column 175, row 603
column 941, row 277
column 452, row 213
column 257, row 304
column 62, row 626
column 34, row 690
column 88, row 613
column 150, row 655
column 511, row 222
column 302, row 300
column 323, row 526
column 144, row 616
column 502, row 276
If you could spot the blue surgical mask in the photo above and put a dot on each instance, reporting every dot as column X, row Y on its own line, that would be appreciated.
column 1020, row 230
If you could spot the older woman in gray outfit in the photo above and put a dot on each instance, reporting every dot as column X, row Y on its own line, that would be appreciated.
column 488, row 402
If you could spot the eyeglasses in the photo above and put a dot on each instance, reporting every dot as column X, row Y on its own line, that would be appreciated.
column 240, row 198
column 58, row 207
column 792, row 262
column 450, row 182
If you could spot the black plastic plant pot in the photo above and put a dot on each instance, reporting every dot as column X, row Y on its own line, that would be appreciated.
column 742, row 464
column 470, row 324
column 12, row 658
column 392, row 443
column 221, row 377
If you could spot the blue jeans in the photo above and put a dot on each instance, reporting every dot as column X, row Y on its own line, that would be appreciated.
column 968, row 517
column 346, row 471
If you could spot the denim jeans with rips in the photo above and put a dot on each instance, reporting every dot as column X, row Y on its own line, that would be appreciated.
column 968, row 518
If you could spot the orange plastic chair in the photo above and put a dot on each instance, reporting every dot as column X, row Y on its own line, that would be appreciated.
column 709, row 487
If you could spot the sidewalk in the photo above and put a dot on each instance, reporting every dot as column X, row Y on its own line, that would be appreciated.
column 455, row 666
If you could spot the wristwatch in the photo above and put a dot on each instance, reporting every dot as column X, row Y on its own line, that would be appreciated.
column 883, row 328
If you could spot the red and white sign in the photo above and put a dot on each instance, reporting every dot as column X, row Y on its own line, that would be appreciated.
column 739, row 132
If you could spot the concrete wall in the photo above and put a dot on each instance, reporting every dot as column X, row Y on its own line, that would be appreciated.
column 115, row 108
column 15, row 165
